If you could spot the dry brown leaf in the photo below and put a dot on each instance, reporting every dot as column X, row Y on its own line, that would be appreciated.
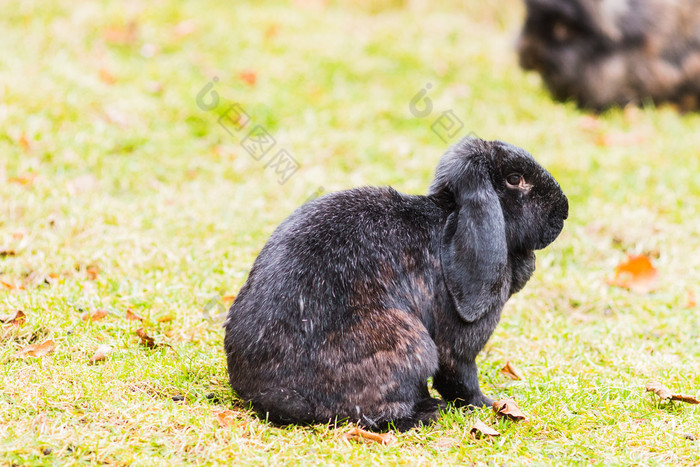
column 511, row 371
column 690, row 299
column 17, row 320
column 38, row 350
column 101, row 353
column 92, row 271
column 363, row 436
column 226, row 418
column 7, row 252
column 636, row 274
column 131, row 316
column 165, row 319
column 508, row 408
column 96, row 315
column 481, row 430
column 665, row 393
column 659, row 389
column 228, row 298
column 685, row 398
column 146, row 340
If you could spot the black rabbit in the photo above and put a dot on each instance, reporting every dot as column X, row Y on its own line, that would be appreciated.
column 602, row 53
column 360, row 296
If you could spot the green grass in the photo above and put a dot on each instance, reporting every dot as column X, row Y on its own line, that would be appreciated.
column 132, row 177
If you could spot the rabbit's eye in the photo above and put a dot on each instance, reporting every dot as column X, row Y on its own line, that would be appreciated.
column 514, row 180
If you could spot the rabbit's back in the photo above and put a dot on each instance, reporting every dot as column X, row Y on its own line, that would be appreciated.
column 341, row 296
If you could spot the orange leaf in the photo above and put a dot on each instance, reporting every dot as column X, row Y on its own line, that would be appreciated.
column 636, row 274
column 38, row 350
column 101, row 353
column 363, row 436
column 249, row 77
column 10, row 285
column 92, row 271
column 481, row 430
column 690, row 300
column 24, row 142
column 24, row 179
column 226, row 418
column 511, row 371
column 121, row 35
column 131, row 316
column 107, row 77
column 96, row 315
column 508, row 408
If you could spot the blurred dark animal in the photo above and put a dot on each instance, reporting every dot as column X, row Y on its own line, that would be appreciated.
column 602, row 53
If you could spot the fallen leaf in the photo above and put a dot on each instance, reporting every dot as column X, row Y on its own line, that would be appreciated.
column 481, row 430
column 690, row 299
column 38, row 350
column 249, row 77
column 92, row 271
column 147, row 340
column 17, row 320
column 131, row 316
column 226, row 418
column 636, row 274
column 165, row 319
column 7, row 252
column 511, row 371
column 24, row 179
column 101, row 353
column 508, row 408
column 96, row 315
column 363, row 436
column 10, row 285
column 685, row 398
column 107, row 77
column 271, row 31
column 121, row 35
column 659, row 389
column 665, row 393
column 24, row 142
column 229, row 298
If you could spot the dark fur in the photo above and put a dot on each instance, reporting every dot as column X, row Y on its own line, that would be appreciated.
column 360, row 296
column 602, row 53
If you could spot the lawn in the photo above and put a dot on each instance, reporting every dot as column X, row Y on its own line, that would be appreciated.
column 126, row 184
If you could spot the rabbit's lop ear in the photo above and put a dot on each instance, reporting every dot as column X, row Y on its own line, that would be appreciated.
column 474, row 250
